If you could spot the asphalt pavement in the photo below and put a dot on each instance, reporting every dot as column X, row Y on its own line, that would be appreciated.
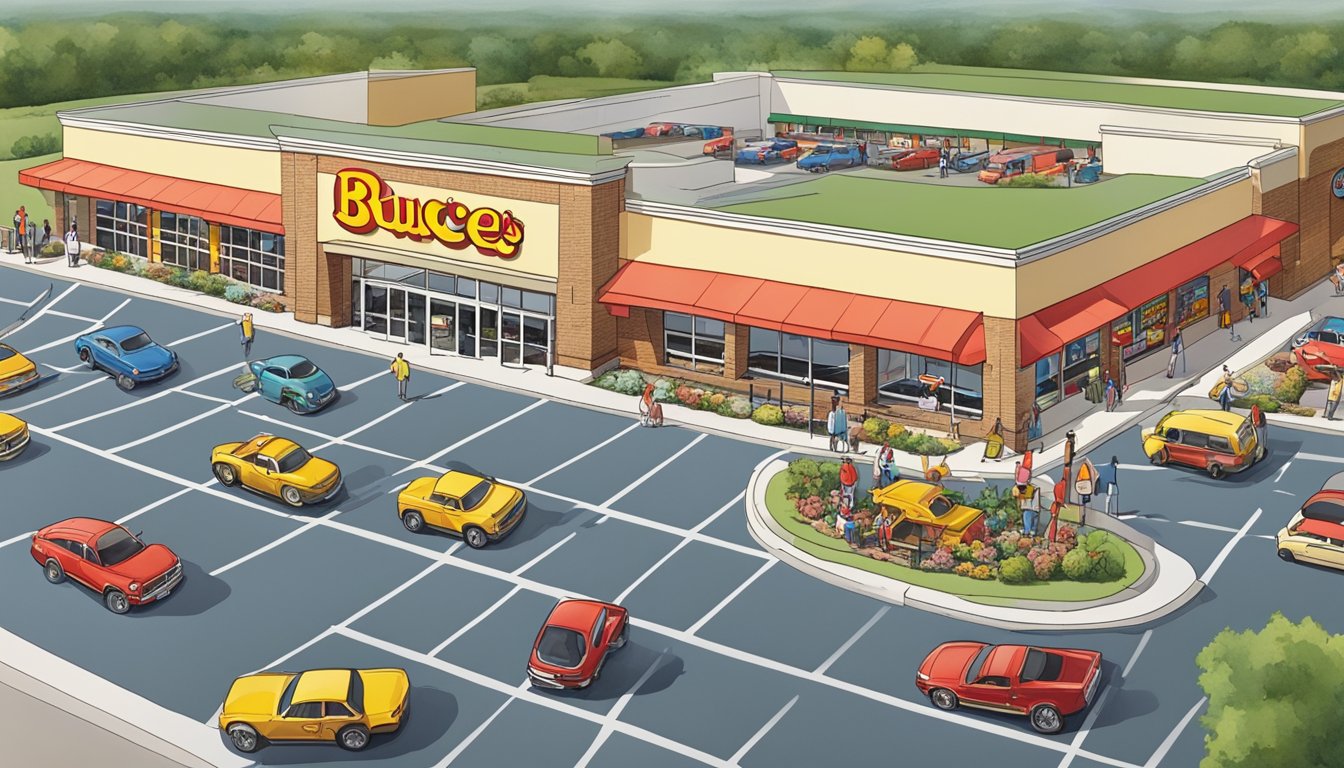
column 734, row 658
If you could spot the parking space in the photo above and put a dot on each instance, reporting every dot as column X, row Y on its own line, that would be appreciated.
column 608, row 471
column 690, row 584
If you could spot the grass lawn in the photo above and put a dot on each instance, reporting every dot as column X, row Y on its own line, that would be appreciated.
column 17, row 122
column 817, row 544
column 547, row 88
column 13, row 194
column 1001, row 217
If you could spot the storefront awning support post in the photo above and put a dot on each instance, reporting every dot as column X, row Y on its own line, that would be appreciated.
column 811, row 406
column 952, row 407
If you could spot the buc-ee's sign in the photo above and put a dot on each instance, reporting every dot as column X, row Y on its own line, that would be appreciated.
column 364, row 202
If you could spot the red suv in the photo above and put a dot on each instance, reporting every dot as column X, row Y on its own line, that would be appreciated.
column 109, row 560
column 574, row 643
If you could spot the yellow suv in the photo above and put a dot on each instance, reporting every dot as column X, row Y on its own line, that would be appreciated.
column 276, row 467
column 341, row 705
column 479, row 509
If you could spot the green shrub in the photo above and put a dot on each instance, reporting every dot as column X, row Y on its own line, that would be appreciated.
column 629, row 382
column 809, row 477
column 180, row 278
column 1297, row 410
column 1096, row 558
column 769, row 415
column 1016, row 570
column 1029, row 181
column 1078, row 565
column 34, row 146
column 1260, row 380
column 54, row 248
column 1267, row 403
column 739, row 407
column 238, row 294
column 197, row 280
column 875, row 430
column 606, row 380
column 216, row 285
column 1293, row 385
column 665, row 391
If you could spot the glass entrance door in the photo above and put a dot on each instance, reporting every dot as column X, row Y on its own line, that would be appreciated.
column 536, row 339
column 466, row 330
column 510, row 337
column 442, row 325
column 415, row 318
column 375, row 308
column 396, row 313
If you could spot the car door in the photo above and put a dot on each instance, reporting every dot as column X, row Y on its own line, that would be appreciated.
column 1195, row 449
column 106, row 354
column 263, row 474
column 1327, row 552
column 597, row 638
column 447, row 512
column 336, row 716
column 70, row 554
column 991, row 691
column 270, row 381
column 301, row 722
column 86, row 566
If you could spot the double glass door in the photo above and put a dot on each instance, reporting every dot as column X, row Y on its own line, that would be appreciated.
column 395, row 312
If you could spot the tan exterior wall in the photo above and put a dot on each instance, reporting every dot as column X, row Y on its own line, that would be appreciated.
column 1321, row 215
column 1179, row 155
column 398, row 99
column 1314, row 136
column 817, row 263
column 231, row 166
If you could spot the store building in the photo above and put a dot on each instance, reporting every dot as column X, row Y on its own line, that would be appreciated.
column 382, row 201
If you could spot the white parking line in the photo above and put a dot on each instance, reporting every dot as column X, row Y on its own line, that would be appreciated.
column 580, row 456
column 1101, row 702
column 45, row 310
column 1227, row 548
column 121, row 521
column 331, row 439
column 275, row 543
column 697, row 626
column 709, row 520
column 616, row 710
column 1282, row 469
column 525, row 566
column 196, row 336
column 69, row 316
column 1210, row 526
column 821, row 670
column 1285, row 493
column 640, row 481
column 477, row 619
column 1319, row 457
column 95, row 326
column 1170, row 741
column 201, row 396
column 363, row 381
column 471, row 737
column 431, row 459
column 736, row 759
column 646, row 574
column 177, row 426
column 343, row 438
column 142, row 401
column 70, row 391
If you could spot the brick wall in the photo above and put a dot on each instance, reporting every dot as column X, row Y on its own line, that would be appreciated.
column 1283, row 203
column 338, row 269
column 590, row 232
column 1000, row 380
column 1321, row 217
column 298, row 206
column 862, row 373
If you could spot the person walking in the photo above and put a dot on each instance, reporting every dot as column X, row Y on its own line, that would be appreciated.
column 1225, row 312
column 46, row 233
column 877, row 468
column 402, row 370
column 942, row 165
column 1332, row 398
column 1112, row 395
column 887, row 461
column 830, row 421
column 1262, row 290
column 882, row 526
column 72, row 246
column 849, row 481
column 841, row 435
column 246, row 334
column 1108, row 482
column 1225, row 395
column 21, row 228
column 1177, row 351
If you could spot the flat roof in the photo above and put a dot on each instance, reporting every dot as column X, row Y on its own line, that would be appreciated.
column 1079, row 87
column 999, row 217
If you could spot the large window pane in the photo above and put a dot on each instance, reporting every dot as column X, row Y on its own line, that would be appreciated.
column 794, row 346
column 708, row 350
column 242, row 257
column 677, row 342
column 441, row 283
column 537, row 302
column 675, row 321
column 708, row 328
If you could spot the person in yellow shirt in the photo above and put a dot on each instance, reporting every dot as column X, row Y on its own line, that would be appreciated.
column 1332, row 397
column 246, row 334
column 402, row 370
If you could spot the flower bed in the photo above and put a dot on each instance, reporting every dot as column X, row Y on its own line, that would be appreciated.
column 216, row 285
column 877, row 430
column 1276, row 386
column 1081, row 564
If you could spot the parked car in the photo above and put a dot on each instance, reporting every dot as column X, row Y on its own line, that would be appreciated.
column 294, row 382
column 13, row 436
column 276, row 467
column 705, row 131
column 828, row 156
column 1217, row 442
column 17, row 372
column 663, row 129
column 575, row 641
column 1043, row 160
column 1045, row 684
column 633, row 133
column 1089, row 173
column 1320, row 351
column 927, row 505
column 341, row 705
column 723, row 143
column 107, row 559
column 766, row 152
column 969, row 162
column 479, row 509
column 127, row 353
column 915, row 159
column 1315, row 534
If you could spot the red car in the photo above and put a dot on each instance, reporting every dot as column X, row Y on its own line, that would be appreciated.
column 915, row 159
column 109, row 560
column 664, row 129
column 722, row 144
column 574, row 643
column 1045, row 684
column 1320, row 348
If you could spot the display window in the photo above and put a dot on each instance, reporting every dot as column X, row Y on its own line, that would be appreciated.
column 1192, row 302
column 1082, row 363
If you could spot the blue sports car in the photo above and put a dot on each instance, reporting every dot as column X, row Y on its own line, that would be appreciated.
column 294, row 382
column 127, row 353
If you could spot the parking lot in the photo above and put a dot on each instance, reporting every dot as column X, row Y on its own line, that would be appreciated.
column 734, row 658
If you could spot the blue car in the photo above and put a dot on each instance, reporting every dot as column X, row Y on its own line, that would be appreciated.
column 127, row 353
column 294, row 382
column 968, row 162
column 633, row 133
column 828, row 156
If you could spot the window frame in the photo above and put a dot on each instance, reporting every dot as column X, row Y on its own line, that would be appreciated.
column 810, row 363
column 243, row 257
column 691, row 360
column 915, row 365
column 117, row 229
column 179, row 246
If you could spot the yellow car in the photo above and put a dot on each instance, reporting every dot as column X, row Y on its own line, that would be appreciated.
column 913, row 505
column 13, row 436
column 479, row 509
column 17, row 372
column 276, row 467
column 341, row 705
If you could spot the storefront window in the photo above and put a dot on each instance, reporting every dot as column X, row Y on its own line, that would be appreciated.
column 122, row 227
column 693, row 342
column 1143, row 330
column 184, row 241
column 1082, row 363
column 1192, row 302
column 791, row 356
column 898, row 380
column 252, row 257
column 1047, row 381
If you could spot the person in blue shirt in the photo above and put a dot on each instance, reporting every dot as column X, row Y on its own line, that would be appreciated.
column 1107, row 475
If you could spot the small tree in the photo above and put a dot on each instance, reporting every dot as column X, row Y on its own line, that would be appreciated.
column 1275, row 696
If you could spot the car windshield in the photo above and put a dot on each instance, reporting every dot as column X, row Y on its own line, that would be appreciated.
column 995, row 166
column 1041, row 665
column 116, row 546
column 476, row 495
column 561, row 647
column 296, row 458
column 6, row 352
column 138, row 341
column 973, row 669
column 940, row 506
column 302, row 370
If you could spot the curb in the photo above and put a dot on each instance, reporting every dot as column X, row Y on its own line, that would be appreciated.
column 774, row 539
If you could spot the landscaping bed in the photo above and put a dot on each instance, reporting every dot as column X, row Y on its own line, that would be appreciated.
column 220, row 286
column 1276, row 385
column 1082, row 565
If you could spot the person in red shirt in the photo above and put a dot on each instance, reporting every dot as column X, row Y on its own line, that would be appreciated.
column 849, row 480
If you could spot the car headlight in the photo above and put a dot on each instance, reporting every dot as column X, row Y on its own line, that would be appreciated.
column 312, row 395
column 135, row 371
column 922, row 676
column 134, row 587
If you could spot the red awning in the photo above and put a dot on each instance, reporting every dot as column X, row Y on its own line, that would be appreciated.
column 1265, row 265
column 947, row 334
column 212, row 202
column 1252, row 241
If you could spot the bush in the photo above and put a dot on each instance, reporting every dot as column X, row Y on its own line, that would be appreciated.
column 1096, row 558
column 809, row 507
column 216, row 285
column 606, row 381
column 180, row 278
column 158, row 272
column 1267, row 403
column 33, row 146
column 269, row 302
column 629, row 382
column 238, row 294
column 738, row 407
column 196, row 280
column 809, row 477
column 54, row 248
column 1290, row 389
column 1029, row 181
column 894, row 430
column 875, row 429
column 665, row 391
column 1261, row 380
column 94, row 258
column 1078, row 565
column 1016, row 570
column 964, row 569
column 921, row 444
column 1297, row 410
column 982, row 573
column 769, row 415
column 795, row 416
column 941, row 561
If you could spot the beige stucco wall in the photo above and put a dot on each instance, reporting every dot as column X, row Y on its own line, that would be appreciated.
column 1068, row 273
column 1315, row 135
column 1182, row 155
column 820, row 264
column 233, row 167
column 401, row 98
column 539, row 253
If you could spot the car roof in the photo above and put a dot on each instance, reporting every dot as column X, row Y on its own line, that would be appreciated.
column 1334, row 483
column 120, row 332
column 1203, row 419
column 285, row 361
column 577, row 615
column 456, row 484
column 1321, row 528
column 905, row 490
column 1003, row 661
column 88, row 527
column 322, row 685
column 275, row 447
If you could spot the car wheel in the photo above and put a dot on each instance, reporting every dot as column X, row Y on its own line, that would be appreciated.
column 943, row 699
column 1046, row 719
column 1159, row 458
column 622, row 638
column 244, row 737
column 353, row 737
column 475, row 537
column 125, row 382
column 1284, row 555
column 86, row 357
column 294, row 405
column 226, row 474
column 56, row 574
column 1216, row 470
column 413, row 521
column 291, row 496
column 116, row 601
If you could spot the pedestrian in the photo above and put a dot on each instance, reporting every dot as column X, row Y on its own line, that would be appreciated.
column 1337, row 278
column 849, row 481
column 841, row 426
column 1108, row 483
column 402, row 370
column 1028, row 502
column 1034, row 432
column 1332, row 399
column 942, row 165
column 882, row 526
column 1112, row 393
column 1225, row 394
column 1248, row 298
column 887, row 457
column 1258, row 421
column 830, row 421
column 21, row 227
column 877, row 469
column 46, row 232
column 1262, row 290
column 994, row 442
column 1177, row 351
column 1225, row 311
column 849, row 527
column 246, row 334
column 72, row 246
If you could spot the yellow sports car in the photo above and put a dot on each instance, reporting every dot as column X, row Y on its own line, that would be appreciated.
column 13, row 436
column 479, row 509
column 925, row 506
column 341, row 705
column 276, row 467
column 17, row 372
